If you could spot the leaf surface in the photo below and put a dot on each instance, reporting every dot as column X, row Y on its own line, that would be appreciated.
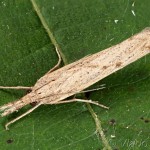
column 80, row 28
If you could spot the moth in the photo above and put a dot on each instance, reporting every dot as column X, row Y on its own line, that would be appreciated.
column 54, row 87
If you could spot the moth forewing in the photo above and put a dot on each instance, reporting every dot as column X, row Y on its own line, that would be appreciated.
column 56, row 86
column 79, row 75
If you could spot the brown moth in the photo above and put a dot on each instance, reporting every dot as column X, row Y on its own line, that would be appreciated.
column 54, row 87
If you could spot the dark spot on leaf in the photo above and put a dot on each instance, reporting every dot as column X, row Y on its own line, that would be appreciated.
column 112, row 122
column 142, row 118
column 146, row 121
column 115, row 149
column 9, row 141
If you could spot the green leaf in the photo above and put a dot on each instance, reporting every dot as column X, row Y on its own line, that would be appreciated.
column 80, row 28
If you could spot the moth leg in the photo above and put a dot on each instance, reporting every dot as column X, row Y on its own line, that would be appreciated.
column 59, row 60
column 21, row 116
column 16, row 87
column 82, row 100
